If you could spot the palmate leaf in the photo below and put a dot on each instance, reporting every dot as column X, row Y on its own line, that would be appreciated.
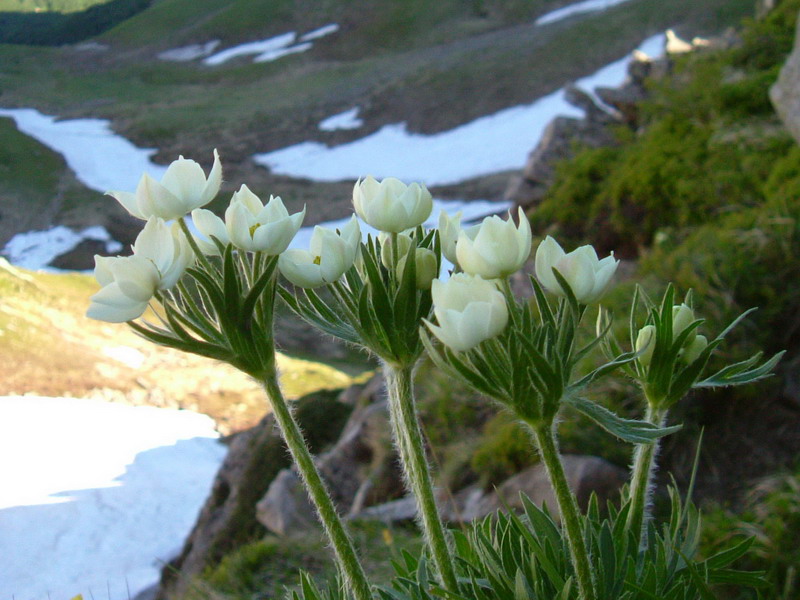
column 327, row 322
column 629, row 430
column 620, row 360
column 259, row 286
column 742, row 372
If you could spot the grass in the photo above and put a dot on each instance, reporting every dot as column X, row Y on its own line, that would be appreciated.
column 48, row 347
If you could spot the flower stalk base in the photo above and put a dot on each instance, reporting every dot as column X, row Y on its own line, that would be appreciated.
column 346, row 557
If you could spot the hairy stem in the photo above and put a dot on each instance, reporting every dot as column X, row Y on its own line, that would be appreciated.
column 407, row 432
column 641, row 488
column 568, row 509
column 346, row 557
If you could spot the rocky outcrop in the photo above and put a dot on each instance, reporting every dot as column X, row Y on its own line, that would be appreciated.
column 360, row 470
column 586, row 475
column 564, row 134
column 254, row 459
column 785, row 92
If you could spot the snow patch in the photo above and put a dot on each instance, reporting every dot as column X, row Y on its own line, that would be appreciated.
column 189, row 53
column 97, row 496
column 489, row 144
column 576, row 8
column 36, row 249
column 320, row 32
column 260, row 47
column 280, row 52
column 344, row 120
column 101, row 159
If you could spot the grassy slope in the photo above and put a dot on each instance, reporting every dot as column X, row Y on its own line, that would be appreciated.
column 48, row 347
column 434, row 68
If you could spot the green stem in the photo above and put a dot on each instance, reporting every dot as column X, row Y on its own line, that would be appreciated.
column 193, row 243
column 346, row 558
column 642, row 477
column 567, row 507
column 399, row 385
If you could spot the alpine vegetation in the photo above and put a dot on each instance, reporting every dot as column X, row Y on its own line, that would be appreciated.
column 214, row 294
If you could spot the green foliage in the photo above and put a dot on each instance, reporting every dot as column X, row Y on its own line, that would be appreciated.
column 708, row 144
column 504, row 449
column 771, row 515
column 59, row 25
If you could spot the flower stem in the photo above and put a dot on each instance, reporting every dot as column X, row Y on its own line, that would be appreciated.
column 399, row 385
column 346, row 558
column 193, row 243
column 567, row 507
column 642, row 477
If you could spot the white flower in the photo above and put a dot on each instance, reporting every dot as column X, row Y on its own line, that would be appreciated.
column 692, row 352
column 425, row 265
column 496, row 248
column 183, row 188
column 469, row 310
column 255, row 227
column 210, row 225
column 682, row 317
column 388, row 256
column 160, row 256
column 587, row 276
column 449, row 228
column 330, row 255
column 391, row 205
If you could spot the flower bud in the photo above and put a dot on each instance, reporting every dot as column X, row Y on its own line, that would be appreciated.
column 587, row 276
column 496, row 248
column 449, row 228
column 646, row 344
column 469, row 310
column 426, row 267
column 391, row 205
column 682, row 317
column 403, row 244
column 692, row 352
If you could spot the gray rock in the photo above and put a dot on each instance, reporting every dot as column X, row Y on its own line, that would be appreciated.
column 785, row 92
column 255, row 458
column 360, row 470
column 585, row 475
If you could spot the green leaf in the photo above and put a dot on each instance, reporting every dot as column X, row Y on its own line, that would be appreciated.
column 620, row 360
column 741, row 372
column 259, row 286
column 629, row 430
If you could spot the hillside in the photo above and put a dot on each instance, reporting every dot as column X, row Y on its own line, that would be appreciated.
column 397, row 61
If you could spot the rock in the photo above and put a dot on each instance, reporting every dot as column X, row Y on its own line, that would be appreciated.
column 625, row 100
column 585, row 474
column 556, row 144
column 254, row 460
column 580, row 99
column 785, row 92
column 81, row 257
column 360, row 470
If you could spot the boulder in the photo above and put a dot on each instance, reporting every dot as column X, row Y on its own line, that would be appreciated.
column 81, row 257
column 255, row 458
column 585, row 474
column 785, row 92
column 361, row 469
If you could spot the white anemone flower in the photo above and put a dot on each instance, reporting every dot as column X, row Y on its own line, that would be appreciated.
column 496, row 248
column 390, row 205
column 330, row 255
column 587, row 276
column 183, row 188
column 161, row 254
column 255, row 227
column 469, row 310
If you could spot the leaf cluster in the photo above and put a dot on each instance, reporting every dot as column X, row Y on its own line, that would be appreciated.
column 221, row 310
column 373, row 306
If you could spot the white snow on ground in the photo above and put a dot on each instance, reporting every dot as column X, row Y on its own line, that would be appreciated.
column 271, row 48
column 490, row 144
column 96, row 496
column 35, row 249
column 269, row 45
column 344, row 120
column 100, row 159
column 271, row 55
column 576, row 8
column 189, row 53
column 320, row 32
